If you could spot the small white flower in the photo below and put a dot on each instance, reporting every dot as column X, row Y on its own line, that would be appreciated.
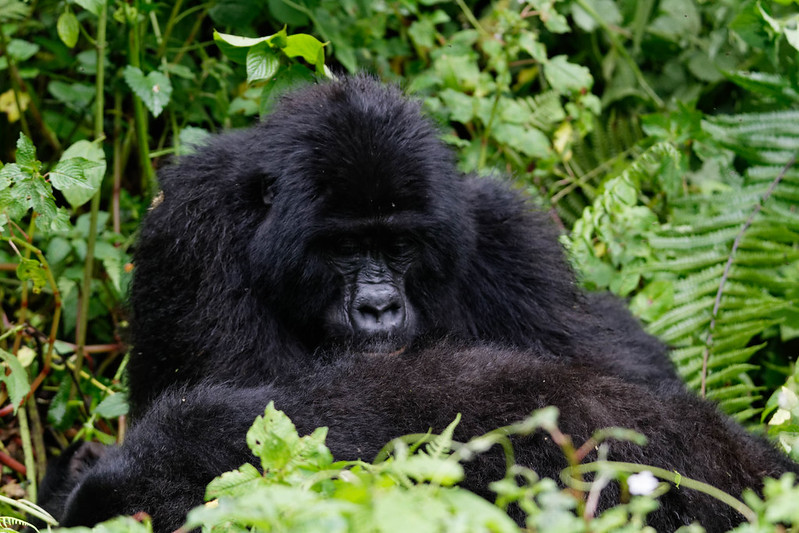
column 642, row 484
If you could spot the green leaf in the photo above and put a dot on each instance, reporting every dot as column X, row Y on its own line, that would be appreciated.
column 154, row 89
column 192, row 138
column 35, row 193
column 112, row 406
column 459, row 105
column 566, row 77
column 13, row 10
column 16, row 380
column 113, row 260
column 527, row 140
column 287, row 14
column 91, row 159
column 422, row 468
column 21, row 50
column 235, row 483
column 307, row 47
column 68, row 173
column 26, row 155
column 273, row 438
column 235, row 47
column 59, row 413
column 32, row 270
column 68, row 29
column 94, row 6
column 262, row 63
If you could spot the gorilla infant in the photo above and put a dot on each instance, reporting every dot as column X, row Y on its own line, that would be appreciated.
column 189, row 436
column 342, row 221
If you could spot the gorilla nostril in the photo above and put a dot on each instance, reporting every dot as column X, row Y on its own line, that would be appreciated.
column 378, row 315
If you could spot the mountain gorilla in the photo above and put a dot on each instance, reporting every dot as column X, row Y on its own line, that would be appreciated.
column 340, row 226
column 189, row 436
column 342, row 221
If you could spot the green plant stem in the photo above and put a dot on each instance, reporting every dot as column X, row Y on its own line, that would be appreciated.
column 470, row 17
column 140, row 113
column 99, row 82
column 672, row 477
column 170, row 24
column 27, row 448
column 23, row 306
column 117, row 164
column 588, row 8
column 37, row 437
column 88, row 266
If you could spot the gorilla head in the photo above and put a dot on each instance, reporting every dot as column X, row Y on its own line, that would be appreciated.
column 361, row 218
column 342, row 221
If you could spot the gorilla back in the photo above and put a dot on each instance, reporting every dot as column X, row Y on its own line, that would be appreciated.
column 191, row 435
column 341, row 220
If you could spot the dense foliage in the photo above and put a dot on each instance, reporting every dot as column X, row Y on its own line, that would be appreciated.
column 662, row 134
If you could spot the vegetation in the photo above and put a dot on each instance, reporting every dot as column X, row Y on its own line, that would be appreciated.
column 662, row 135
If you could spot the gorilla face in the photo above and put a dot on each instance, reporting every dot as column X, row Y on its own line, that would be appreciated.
column 355, row 234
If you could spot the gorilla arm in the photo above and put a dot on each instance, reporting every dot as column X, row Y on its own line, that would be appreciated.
column 191, row 436
column 519, row 289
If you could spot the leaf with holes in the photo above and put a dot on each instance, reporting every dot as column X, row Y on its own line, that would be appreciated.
column 154, row 89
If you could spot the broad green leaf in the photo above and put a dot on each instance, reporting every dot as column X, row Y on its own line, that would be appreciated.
column 459, row 105
column 307, row 47
column 262, row 63
column 154, row 89
column 57, row 250
column 68, row 29
column 112, row 406
column 68, row 173
column 566, row 77
column 94, row 6
column 21, row 50
column 93, row 171
column 236, row 47
column 16, row 380
column 527, row 140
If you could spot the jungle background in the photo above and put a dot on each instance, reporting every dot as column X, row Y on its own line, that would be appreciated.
column 661, row 135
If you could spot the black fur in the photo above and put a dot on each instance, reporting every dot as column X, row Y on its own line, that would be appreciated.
column 190, row 436
column 229, row 288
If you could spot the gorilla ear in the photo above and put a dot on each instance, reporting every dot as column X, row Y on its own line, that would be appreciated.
column 268, row 190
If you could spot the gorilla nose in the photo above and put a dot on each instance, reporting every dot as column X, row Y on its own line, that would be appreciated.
column 378, row 308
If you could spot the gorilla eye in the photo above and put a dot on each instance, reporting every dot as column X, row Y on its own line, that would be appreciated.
column 348, row 246
column 268, row 190
column 401, row 246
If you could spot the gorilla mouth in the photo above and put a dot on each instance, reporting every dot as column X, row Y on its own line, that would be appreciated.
column 395, row 353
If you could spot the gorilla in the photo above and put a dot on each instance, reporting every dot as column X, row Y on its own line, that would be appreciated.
column 192, row 434
column 333, row 260
column 341, row 221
